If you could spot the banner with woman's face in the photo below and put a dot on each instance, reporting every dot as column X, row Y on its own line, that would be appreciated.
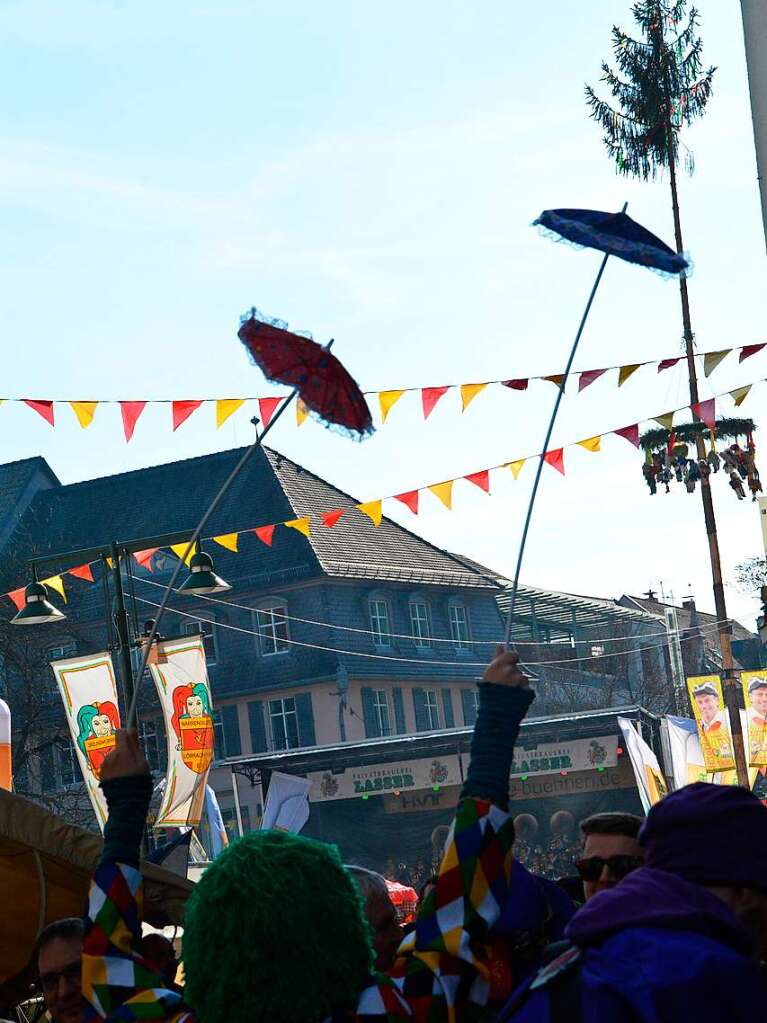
column 181, row 678
column 89, row 693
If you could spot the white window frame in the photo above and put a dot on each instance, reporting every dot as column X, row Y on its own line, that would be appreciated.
column 381, row 638
column 207, row 631
column 382, row 712
column 431, row 708
column 458, row 643
column 283, row 714
column 420, row 629
column 267, row 630
column 475, row 700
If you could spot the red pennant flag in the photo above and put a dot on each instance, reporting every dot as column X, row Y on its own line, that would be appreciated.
column 748, row 350
column 182, row 410
column 409, row 499
column 18, row 598
column 480, row 479
column 556, row 458
column 266, row 409
column 330, row 518
column 429, row 397
column 588, row 377
column 44, row 408
column 668, row 363
column 706, row 412
column 265, row 534
column 671, row 442
column 131, row 410
column 631, row 433
column 516, row 385
column 144, row 558
column 82, row 572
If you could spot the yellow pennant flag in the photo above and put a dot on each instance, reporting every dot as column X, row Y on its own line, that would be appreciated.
column 302, row 412
column 226, row 407
column 666, row 421
column 740, row 394
column 469, row 392
column 592, row 444
column 85, row 411
column 179, row 548
column 373, row 510
column 387, row 400
column 444, row 491
column 302, row 525
column 712, row 359
column 516, row 467
column 626, row 371
column 56, row 583
column 228, row 540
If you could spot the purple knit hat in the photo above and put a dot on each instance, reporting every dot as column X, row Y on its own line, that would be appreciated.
column 709, row 835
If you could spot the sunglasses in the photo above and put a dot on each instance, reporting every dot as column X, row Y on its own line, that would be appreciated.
column 71, row 973
column 619, row 866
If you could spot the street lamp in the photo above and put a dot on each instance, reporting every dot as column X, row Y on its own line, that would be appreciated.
column 37, row 608
column 202, row 578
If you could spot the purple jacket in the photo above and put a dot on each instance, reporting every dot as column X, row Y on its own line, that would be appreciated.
column 657, row 949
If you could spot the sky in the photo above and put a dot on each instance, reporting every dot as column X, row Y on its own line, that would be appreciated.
column 370, row 173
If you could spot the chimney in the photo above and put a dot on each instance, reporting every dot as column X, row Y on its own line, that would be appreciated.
column 688, row 603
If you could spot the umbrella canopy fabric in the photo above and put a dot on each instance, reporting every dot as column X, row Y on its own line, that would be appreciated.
column 614, row 233
column 324, row 385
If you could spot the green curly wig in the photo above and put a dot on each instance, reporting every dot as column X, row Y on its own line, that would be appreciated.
column 275, row 931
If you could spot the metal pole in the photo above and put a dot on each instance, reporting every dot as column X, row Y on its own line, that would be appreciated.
column 237, row 811
column 123, row 633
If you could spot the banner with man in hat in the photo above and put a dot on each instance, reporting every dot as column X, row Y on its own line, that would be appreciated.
column 755, row 697
column 713, row 722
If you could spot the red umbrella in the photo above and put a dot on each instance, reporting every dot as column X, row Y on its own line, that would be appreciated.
column 323, row 384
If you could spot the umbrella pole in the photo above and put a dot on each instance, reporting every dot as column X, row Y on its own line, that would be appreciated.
column 131, row 720
column 549, row 431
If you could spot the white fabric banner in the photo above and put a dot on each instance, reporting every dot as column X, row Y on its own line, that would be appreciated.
column 650, row 781
column 287, row 803
column 181, row 679
column 89, row 693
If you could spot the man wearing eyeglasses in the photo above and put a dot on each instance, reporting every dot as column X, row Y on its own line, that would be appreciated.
column 59, row 952
column 611, row 850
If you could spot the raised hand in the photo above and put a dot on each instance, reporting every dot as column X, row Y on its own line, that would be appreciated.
column 503, row 670
column 126, row 759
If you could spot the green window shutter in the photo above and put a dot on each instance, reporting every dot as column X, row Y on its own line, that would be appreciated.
column 399, row 712
column 305, row 717
column 469, row 710
column 257, row 729
column 230, row 720
column 419, row 706
column 447, row 703
column 369, row 715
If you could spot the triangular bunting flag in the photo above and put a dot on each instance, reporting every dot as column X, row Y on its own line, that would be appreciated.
column 387, row 400
column 668, row 363
column 748, row 350
column 267, row 407
column 130, row 411
column 516, row 467
column 226, row 407
column 592, row 444
column 373, row 510
column 44, row 408
column 18, row 597
column 480, row 479
column 331, row 517
column 56, row 583
column 227, row 540
column 626, row 371
column 265, row 534
column 182, row 410
column 712, row 359
column 302, row 412
column 85, row 411
column 409, row 499
column 82, row 572
column 444, row 491
column 517, row 385
column 740, row 394
column 302, row 525
column 588, row 377
column 469, row 392
column 144, row 558
column 630, row 433
column 429, row 398
column 558, row 379
column 666, row 420
column 556, row 458
column 180, row 548
column 706, row 412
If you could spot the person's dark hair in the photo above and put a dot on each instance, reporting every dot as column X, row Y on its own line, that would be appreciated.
column 627, row 824
column 67, row 928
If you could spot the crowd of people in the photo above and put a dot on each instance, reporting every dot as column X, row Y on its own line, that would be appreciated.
column 673, row 924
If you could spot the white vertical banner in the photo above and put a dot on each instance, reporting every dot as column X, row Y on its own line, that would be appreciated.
column 89, row 693
column 181, row 679
column 687, row 761
column 650, row 781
